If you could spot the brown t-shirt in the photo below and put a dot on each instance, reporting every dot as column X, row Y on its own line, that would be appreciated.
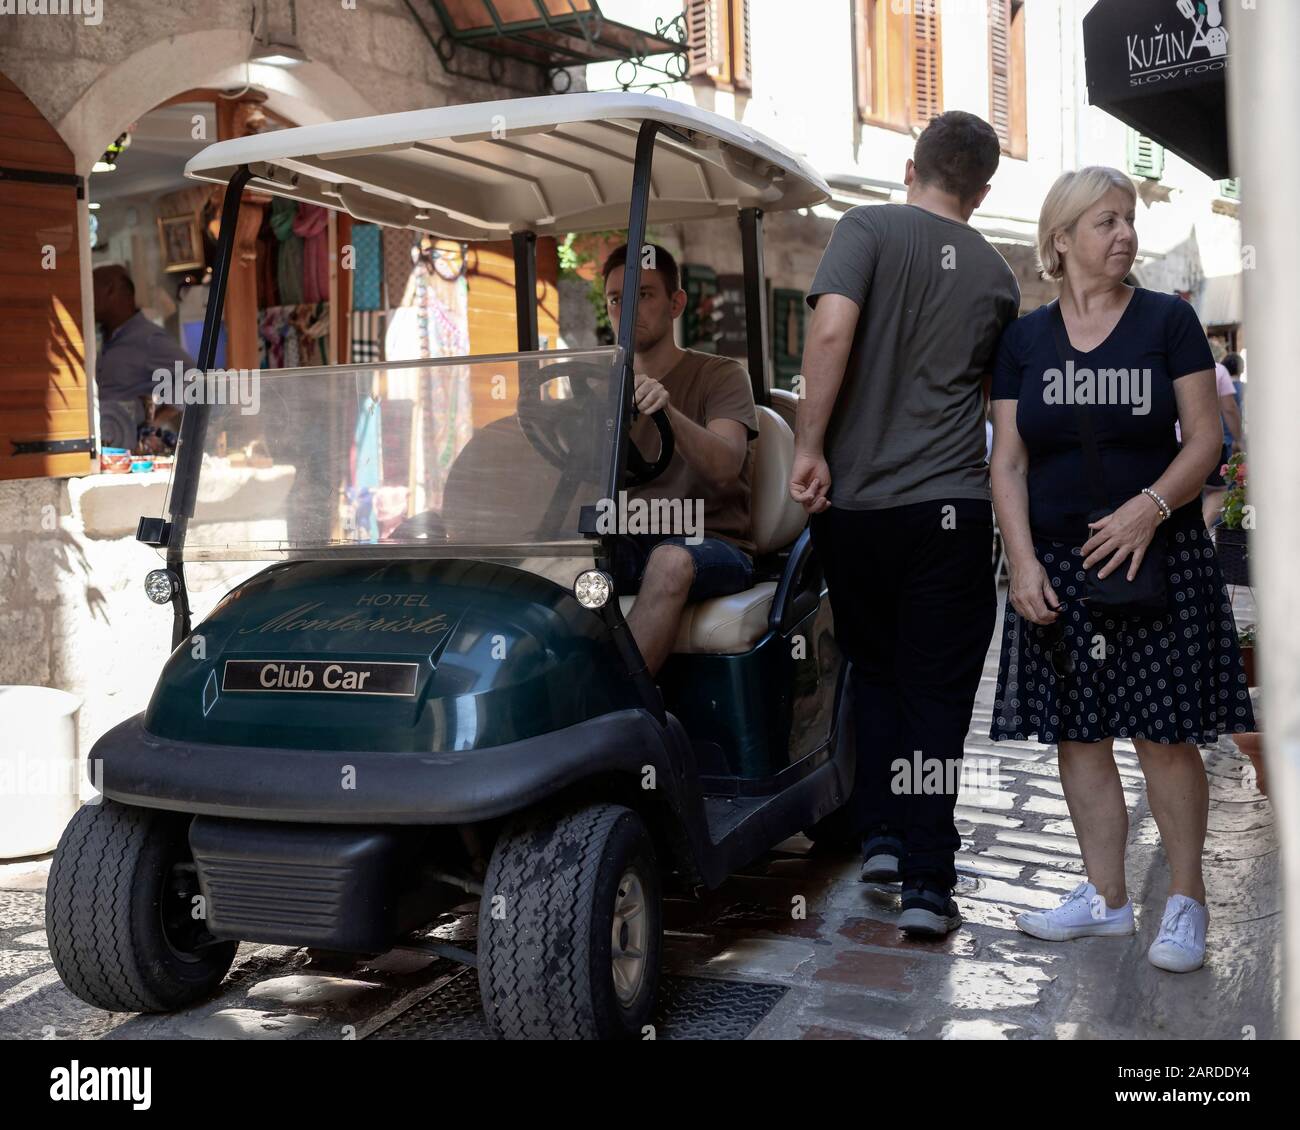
column 705, row 387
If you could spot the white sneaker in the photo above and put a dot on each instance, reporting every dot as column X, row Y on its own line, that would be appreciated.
column 1083, row 913
column 1180, row 945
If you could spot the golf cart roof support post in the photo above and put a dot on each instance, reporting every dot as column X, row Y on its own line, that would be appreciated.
column 524, row 244
column 756, row 333
column 194, row 421
column 638, row 212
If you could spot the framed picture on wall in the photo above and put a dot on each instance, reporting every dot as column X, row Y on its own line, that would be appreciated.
column 181, row 240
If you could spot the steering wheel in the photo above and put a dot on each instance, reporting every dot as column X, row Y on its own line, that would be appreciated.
column 562, row 428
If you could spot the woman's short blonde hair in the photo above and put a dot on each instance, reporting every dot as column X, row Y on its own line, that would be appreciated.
column 1068, row 199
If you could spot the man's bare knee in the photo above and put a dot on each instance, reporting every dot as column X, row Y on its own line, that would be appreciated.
column 671, row 567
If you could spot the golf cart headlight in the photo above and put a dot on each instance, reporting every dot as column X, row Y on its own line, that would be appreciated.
column 160, row 585
column 592, row 588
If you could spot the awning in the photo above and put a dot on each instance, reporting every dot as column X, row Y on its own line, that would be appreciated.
column 550, row 32
column 1160, row 66
column 1217, row 301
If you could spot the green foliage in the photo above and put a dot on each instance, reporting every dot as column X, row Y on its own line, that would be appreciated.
column 1234, row 502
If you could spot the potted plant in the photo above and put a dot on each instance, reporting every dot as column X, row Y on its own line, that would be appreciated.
column 1231, row 536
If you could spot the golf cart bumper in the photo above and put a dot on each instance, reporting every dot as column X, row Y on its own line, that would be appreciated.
column 379, row 787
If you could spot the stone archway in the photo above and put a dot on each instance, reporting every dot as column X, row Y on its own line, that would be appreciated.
column 310, row 93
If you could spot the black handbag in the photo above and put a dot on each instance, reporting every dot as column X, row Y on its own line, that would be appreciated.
column 1146, row 594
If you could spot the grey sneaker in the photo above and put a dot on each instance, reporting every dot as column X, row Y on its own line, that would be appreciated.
column 880, row 859
column 928, row 913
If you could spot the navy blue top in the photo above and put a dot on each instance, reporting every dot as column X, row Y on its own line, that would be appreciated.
column 1128, row 384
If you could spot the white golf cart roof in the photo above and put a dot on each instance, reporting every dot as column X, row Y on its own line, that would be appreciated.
column 556, row 164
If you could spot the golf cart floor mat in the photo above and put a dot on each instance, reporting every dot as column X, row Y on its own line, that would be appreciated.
column 690, row 1008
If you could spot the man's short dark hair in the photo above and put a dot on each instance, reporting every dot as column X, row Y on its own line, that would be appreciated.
column 660, row 257
column 116, row 273
column 957, row 152
column 1234, row 364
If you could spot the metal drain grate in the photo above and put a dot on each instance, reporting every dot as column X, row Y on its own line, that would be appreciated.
column 690, row 1008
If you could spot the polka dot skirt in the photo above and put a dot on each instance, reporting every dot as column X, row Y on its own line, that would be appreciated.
column 1175, row 678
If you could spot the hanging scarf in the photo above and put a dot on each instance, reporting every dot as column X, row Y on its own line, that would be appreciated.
column 312, row 225
column 288, row 274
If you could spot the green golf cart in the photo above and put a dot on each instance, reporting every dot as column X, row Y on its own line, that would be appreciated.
column 429, row 693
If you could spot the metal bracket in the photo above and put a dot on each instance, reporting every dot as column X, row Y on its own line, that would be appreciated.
column 39, row 176
column 153, row 531
column 53, row 446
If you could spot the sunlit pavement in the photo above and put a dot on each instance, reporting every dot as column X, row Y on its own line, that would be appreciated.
column 799, row 919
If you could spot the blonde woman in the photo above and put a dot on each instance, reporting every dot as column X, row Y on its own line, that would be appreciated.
column 1135, row 361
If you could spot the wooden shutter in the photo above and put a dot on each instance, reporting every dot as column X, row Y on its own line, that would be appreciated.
column 1000, row 70
column 717, row 42
column 740, row 53
column 883, row 75
column 1007, row 112
column 1146, row 158
column 864, row 51
column 44, row 396
column 789, row 313
column 706, row 39
column 927, row 65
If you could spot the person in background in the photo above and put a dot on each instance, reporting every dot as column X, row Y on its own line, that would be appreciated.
column 1236, row 366
column 133, row 348
column 1230, row 415
column 890, row 445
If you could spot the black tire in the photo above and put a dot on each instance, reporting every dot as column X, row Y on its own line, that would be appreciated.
column 113, row 878
column 545, row 947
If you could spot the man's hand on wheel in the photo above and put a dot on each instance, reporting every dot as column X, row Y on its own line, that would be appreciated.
column 649, row 395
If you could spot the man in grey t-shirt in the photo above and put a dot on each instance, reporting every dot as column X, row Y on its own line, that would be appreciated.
column 908, row 303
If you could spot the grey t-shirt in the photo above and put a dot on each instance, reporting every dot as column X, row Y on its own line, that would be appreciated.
column 908, row 425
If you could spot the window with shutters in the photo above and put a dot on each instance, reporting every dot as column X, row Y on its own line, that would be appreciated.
column 1146, row 158
column 1007, row 75
column 899, row 62
column 717, row 42
column 45, row 426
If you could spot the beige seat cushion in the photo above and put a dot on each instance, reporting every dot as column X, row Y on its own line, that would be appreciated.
column 730, row 625
column 726, row 625
column 775, row 519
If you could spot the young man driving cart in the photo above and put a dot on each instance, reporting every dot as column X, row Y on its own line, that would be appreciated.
column 710, row 405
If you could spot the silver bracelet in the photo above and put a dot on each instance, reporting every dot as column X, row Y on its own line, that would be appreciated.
column 1161, row 504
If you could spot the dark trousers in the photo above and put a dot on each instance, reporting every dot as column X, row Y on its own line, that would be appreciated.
column 912, row 592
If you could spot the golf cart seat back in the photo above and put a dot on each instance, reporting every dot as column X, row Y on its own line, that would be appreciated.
column 785, row 404
column 731, row 625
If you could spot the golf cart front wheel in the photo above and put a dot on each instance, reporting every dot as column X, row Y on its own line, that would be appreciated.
column 125, row 926
column 570, row 927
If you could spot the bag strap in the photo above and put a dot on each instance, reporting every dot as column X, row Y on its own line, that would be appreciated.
column 1091, row 452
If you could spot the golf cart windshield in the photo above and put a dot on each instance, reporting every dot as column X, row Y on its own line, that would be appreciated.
column 456, row 457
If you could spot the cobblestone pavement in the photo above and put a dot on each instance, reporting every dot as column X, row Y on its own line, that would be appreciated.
column 800, row 920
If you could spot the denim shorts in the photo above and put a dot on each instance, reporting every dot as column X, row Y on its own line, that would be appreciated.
column 720, row 567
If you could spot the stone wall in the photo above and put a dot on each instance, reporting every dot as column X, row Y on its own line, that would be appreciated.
column 365, row 56
column 73, row 613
